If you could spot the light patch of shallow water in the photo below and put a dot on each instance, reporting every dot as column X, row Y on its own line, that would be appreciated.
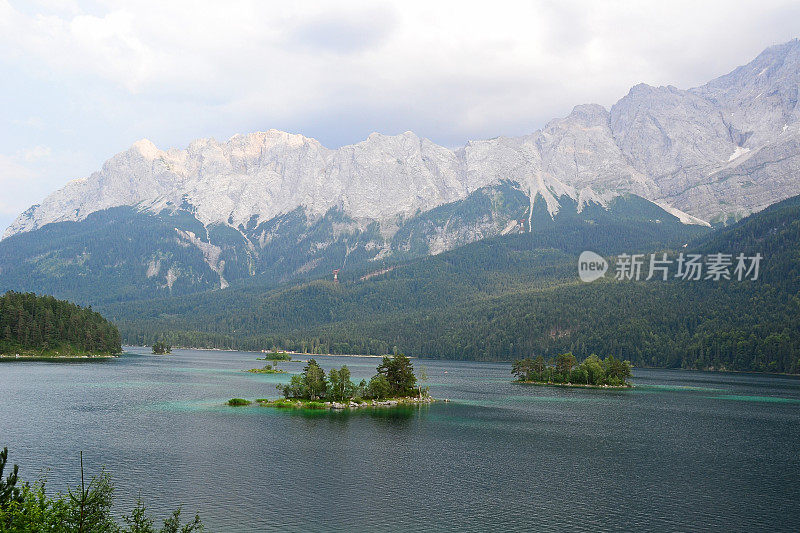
column 756, row 399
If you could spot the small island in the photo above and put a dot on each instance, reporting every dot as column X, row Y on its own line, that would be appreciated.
column 161, row 348
column 266, row 369
column 564, row 371
column 42, row 327
column 274, row 356
column 395, row 384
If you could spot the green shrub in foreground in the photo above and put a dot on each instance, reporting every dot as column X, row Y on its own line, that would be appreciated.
column 86, row 508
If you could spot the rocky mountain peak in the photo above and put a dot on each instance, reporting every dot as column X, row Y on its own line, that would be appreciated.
column 585, row 115
column 146, row 148
column 760, row 98
column 724, row 149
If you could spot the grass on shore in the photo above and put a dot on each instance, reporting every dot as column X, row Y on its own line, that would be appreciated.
column 266, row 370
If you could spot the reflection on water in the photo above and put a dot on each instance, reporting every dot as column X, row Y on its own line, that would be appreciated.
column 681, row 451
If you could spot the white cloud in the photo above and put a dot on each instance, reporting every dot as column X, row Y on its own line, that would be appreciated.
column 32, row 173
column 314, row 55
column 29, row 122
column 37, row 152
column 13, row 176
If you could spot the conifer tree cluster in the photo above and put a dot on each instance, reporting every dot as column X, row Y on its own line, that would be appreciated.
column 566, row 369
column 31, row 324
column 161, row 348
column 395, row 379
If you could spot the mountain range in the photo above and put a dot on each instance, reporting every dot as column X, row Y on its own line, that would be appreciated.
column 271, row 207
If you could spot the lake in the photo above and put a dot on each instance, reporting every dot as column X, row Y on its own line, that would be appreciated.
column 683, row 450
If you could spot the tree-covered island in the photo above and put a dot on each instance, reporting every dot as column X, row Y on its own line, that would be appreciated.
column 394, row 384
column 272, row 367
column 161, row 348
column 275, row 356
column 34, row 326
column 267, row 369
column 566, row 372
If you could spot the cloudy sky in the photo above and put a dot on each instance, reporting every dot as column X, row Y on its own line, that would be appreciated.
column 80, row 81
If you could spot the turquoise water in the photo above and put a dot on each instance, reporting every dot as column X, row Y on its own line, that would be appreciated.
column 683, row 451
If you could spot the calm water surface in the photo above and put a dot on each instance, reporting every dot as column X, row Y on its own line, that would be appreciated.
column 683, row 451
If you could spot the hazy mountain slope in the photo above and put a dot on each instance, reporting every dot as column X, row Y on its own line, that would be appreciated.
column 124, row 254
column 725, row 149
column 264, row 175
column 504, row 298
column 489, row 267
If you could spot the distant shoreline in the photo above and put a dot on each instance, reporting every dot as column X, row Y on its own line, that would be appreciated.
column 259, row 351
column 22, row 357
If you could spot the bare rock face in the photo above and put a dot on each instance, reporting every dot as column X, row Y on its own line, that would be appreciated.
column 722, row 150
column 753, row 180
column 725, row 149
column 581, row 150
column 759, row 99
column 665, row 131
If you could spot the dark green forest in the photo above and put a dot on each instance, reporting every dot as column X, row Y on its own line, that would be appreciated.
column 43, row 325
column 514, row 297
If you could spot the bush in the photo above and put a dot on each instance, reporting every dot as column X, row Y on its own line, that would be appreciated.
column 238, row 402
column 592, row 371
column 283, row 403
column 276, row 356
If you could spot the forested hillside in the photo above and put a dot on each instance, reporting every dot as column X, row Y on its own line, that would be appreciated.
column 124, row 254
column 43, row 325
column 514, row 296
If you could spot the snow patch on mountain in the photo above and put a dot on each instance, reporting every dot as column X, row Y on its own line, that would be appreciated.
column 738, row 152
column 211, row 254
column 686, row 218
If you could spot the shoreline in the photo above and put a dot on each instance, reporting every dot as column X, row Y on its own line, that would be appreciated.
column 26, row 357
column 282, row 403
column 261, row 352
column 644, row 367
column 574, row 385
